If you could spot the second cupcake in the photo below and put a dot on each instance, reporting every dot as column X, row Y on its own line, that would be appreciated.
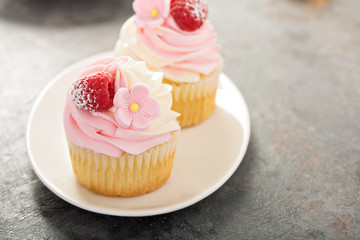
column 176, row 38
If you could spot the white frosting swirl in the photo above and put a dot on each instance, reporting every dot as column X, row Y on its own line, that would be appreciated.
column 100, row 132
column 182, row 56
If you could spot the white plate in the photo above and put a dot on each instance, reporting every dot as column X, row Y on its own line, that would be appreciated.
column 208, row 154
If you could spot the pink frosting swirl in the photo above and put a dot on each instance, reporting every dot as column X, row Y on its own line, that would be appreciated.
column 169, row 49
column 100, row 132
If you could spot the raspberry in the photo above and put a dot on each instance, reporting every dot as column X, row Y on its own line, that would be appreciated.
column 93, row 92
column 189, row 15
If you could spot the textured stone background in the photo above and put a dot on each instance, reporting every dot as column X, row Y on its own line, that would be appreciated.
column 297, row 63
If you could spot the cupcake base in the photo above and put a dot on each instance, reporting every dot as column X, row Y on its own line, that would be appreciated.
column 127, row 176
column 195, row 101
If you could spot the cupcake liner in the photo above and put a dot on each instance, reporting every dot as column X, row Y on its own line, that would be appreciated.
column 128, row 175
column 195, row 101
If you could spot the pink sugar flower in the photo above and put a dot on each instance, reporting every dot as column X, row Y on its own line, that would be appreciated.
column 151, row 13
column 134, row 107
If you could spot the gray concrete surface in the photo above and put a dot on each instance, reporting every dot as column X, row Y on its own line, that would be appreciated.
column 297, row 63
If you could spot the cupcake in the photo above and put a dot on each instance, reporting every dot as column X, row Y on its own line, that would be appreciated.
column 120, row 128
column 176, row 38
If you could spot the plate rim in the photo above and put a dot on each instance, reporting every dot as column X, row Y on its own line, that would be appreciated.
column 134, row 213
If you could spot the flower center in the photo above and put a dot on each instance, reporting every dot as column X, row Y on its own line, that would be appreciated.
column 154, row 13
column 134, row 107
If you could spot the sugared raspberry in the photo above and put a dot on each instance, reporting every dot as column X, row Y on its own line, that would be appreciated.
column 189, row 15
column 93, row 92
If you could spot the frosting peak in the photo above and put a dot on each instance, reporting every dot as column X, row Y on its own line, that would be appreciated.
column 125, row 127
column 182, row 56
